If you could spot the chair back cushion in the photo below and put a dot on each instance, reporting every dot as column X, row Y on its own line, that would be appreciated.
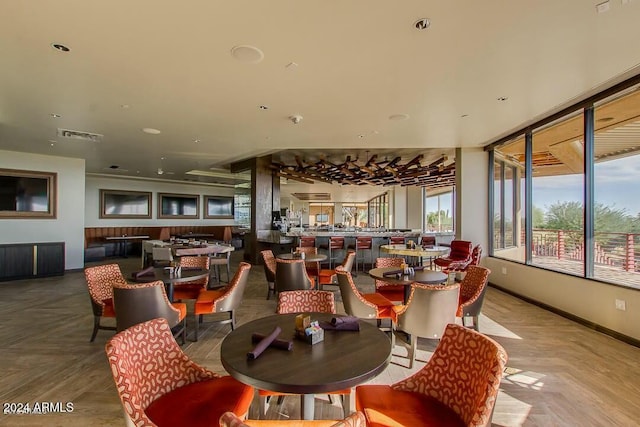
column 354, row 303
column 463, row 373
column 234, row 291
column 306, row 301
column 472, row 290
column 291, row 275
column 202, row 262
column 349, row 259
column 429, row 310
column 138, row 303
column 460, row 250
column 269, row 265
column 387, row 262
column 428, row 241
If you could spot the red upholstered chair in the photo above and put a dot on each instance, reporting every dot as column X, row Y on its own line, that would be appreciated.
column 328, row 277
column 429, row 309
column 225, row 300
column 457, row 387
column 159, row 385
column 460, row 252
column 396, row 240
column 335, row 244
column 191, row 290
column 462, row 266
column 100, row 281
column 269, row 263
column 306, row 301
column 291, row 275
column 357, row 419
column 428, row 241
column 145, row 301
column 307, row 241
column 390, row 291
column 472, row 290
column 313, row 268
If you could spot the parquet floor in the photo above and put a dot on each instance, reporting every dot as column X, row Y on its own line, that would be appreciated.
column 559, row 373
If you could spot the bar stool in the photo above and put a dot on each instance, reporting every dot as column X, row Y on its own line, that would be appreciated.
column 307, row 242
column 364, row 243
column 336, row 243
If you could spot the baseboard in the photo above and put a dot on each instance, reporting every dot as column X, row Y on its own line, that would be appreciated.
column 589, row 324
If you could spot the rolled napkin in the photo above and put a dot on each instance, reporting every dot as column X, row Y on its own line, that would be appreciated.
column 343, row 319
column 392, row 273
column 191, row 268
column 264, row 343
column 277, row 343
column 146, row 272
column 418, row 268
column 349, row 326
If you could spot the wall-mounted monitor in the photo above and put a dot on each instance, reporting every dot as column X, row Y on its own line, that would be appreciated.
column 125, row 204
column 218, row 207
column 27, row 194
column 322, row 217
column 178, row 206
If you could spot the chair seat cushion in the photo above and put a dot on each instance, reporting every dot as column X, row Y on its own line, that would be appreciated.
column 186, row 291
column 181, row 307
column 385, row 306
column 205, row 301
column 392, row 292
column 201, row 403
column 108, row 310
column 384, row 406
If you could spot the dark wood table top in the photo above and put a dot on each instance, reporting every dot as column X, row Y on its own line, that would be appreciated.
column 429, row 277
column 344, row 359
column 160, row 273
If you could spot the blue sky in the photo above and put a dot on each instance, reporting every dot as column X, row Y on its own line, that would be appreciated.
column 617, row 184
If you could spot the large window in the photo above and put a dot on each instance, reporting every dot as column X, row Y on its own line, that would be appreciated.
column 379, row 211
column 321, row 214
column 354, row 215
column 438, row 212
column 583, row 215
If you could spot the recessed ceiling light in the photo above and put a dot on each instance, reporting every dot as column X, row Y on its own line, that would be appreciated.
column 464, row 115
column 291, row 65
column 422, row 24
column 502, row 98
column 263, row 107
column 55, row 116
column 248, row 54
column 398, row 117
column 60, row 47
column 151, row 131
column 125, row 106
column 197, row 141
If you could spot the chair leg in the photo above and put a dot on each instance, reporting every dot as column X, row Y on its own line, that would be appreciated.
column 262, row 407
column 346, row 404
column 96, row 326
column 198, row 321
column 228, row 272
column 476, row 325
column 412, row 349
column 233, row 319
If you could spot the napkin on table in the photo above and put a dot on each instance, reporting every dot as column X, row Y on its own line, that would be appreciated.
column 264, row 343
column 146, row 272
column 277, row 343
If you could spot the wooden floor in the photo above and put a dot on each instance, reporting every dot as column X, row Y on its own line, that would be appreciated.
column 559, row 373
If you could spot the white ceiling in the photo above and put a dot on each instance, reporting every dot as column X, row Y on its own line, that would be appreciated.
column 168, row 65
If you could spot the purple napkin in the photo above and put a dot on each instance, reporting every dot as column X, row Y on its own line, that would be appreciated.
column 418, row 268
column 264, row 343
column 392, row 273
column 348, row 326
column 281, row 344
column 146, row 272
column 191, row 268
column 335, row 321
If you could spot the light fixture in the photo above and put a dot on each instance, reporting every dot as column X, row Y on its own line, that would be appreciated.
column 60, row 47
column 55, row 116
column 248, row 54
column 422, row 24
column 151, row 131
column 398, row 117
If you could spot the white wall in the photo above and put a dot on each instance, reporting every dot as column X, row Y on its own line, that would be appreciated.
column 415, row 202
column 472, row 195
column 68, row 227
column 95, row 183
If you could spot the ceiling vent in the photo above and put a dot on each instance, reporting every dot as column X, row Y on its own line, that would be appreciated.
column 312, row 196
column 76, row 134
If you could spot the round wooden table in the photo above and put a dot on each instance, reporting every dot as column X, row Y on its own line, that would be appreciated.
column 419, row 251
column 307, row 258
column 427, row 277
column 343, row 360
column 160, row 273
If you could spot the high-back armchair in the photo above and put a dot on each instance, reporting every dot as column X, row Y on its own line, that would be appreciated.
column 291, row 275
column 269, row 264
column 159, row 385
column 389, row 291
column 365, row 306
column 428, row 311
column 225, row 300
column 460, row 252
column 191, row 290
column 458, row 386
column 100, row 281
column 145, row 301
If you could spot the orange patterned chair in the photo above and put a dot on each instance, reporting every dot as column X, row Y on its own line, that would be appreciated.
column 227, row 299
column 472, row 290
column 389, row 291
column 159, row 385
column 100, row 281
column 306, row 301
column 269, row 263
column 457, row 387
column 191, row 290
column 313, row 268
column 229, row 419
column 291, row 275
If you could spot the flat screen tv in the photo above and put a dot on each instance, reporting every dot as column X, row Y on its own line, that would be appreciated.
column 218, row 207
column 178, row 205
column 125, row 204
column 27, row 194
